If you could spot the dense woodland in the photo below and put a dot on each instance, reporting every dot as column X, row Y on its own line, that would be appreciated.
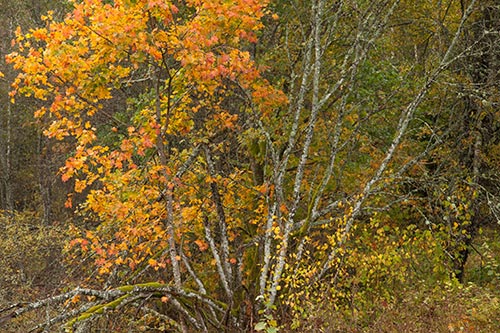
column 250, row 166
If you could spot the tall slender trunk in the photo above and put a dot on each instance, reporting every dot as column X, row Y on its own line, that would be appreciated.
column 9, row 202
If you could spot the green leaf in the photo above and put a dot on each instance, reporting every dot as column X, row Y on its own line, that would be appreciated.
column 260, row 326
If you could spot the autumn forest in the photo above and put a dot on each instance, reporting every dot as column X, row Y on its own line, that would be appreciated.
column 249, row 166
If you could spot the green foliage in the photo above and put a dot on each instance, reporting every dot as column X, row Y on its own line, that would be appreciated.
column 483, row 266
column 267, row 323
column 383, row 287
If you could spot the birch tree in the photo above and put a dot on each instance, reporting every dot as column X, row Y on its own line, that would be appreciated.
column 330, row 129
